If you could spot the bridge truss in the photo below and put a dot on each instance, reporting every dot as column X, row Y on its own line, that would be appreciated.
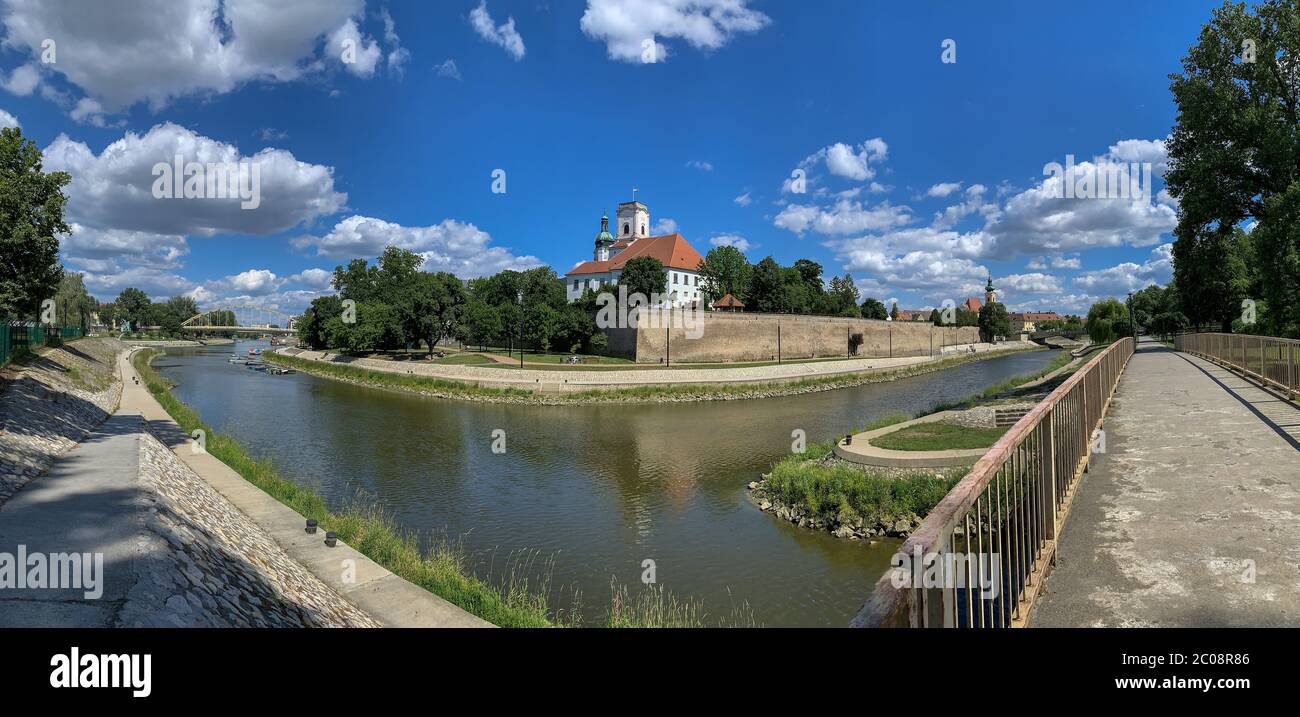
column 242, row 318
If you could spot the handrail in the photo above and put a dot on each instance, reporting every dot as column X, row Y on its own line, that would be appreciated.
column 989, row 543
column 1268, row 359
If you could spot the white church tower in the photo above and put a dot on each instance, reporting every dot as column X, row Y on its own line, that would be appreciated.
column 633, row 221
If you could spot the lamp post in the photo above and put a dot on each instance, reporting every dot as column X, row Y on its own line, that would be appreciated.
column 1132, row 327
column 521, row 329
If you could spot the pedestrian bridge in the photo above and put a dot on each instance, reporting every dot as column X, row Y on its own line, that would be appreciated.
column 242, row 319
column 1179, row 473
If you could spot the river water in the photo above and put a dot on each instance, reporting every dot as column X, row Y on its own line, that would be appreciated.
column 593, row 490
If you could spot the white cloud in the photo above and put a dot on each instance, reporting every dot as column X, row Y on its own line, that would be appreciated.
column 503, row 35
column 1032, row 283
column 625, row 25
column 398, row 56
column 943, row 189
column 845, row 217
column 1054, row 262
column 448, row 69
column 154, row 51
column 359, row 55
column 23, row 80
column 114, row 189
column 664, row 226
column 1128, row 276
column 700, row 165
column 744, row 200
column 460, row 248
column 734, row 240
column 314, row 278
column 8, row 120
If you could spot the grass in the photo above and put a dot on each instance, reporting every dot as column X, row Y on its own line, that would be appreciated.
column 1006, row 386
column 846, row 492
column 442, row 569
column 939, row 436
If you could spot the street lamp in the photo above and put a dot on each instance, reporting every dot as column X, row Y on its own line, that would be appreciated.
column 521, row 329
column 1132, row 327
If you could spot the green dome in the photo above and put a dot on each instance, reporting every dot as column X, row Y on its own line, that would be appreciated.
column 604, row 237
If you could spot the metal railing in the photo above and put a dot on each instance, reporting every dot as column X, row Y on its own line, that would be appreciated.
column 982, row 553
column 1272, row 361
column 17, row 336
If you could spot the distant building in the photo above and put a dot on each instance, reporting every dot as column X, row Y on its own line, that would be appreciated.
column 728, row 303
column 1027, row 320
column 611, row 254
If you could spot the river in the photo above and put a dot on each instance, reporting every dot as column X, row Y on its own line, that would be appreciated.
column 593, row 490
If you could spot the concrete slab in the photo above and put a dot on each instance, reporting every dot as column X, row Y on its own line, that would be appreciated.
column 1191, row 516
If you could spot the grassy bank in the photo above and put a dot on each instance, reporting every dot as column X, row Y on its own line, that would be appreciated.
column 836, row 492
column 443, row 569
column 633, row 394
column 840, row 492
column 939, row 436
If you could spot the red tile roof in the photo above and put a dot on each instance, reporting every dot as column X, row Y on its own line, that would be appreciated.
column 972, row 304
column 728, row 302
column 671, row 249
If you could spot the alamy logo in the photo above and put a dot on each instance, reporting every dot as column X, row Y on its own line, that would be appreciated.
column 77, row 670
column 212, row 180
column 1101, row 179
column 53, row 571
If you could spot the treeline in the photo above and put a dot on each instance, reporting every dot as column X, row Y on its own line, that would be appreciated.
column 391, row 304
column 768, row 287
column 133, row 307
column 1233, row 170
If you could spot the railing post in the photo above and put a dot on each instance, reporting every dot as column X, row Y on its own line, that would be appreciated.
column 1047, row 470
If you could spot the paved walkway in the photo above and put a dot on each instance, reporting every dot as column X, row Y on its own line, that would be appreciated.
column 89, row 502
column 1191, row 518
column 566, row 379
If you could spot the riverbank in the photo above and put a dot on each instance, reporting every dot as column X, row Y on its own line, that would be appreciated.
column 471, row 383
column 443, row 568
column 820, row 490
column 49, row 401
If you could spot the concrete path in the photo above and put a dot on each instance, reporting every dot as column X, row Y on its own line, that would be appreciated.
column 89, row 502
column 1191, row 518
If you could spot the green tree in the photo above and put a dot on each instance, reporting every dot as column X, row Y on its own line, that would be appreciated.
column 72, row 305
column 874, row 309
column 766, row 291
column 311, row 325
column 644, row 275
column 481, row 323
column 31, row 218
column 1235, row 157
column 133, row 306
column 994, row 321
column 434, row 309
column 893, row 311
column 842, row 299
column 724, row 271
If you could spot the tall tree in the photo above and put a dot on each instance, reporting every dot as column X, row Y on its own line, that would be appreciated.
column 133, row 306
column 72, row 305
column 767, row 288
column 31, row 217
column 1234, row 157
column 724, row 271
column 874, row 309
column 644, row 275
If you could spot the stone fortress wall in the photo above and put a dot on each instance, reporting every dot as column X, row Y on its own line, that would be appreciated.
column 725, row 337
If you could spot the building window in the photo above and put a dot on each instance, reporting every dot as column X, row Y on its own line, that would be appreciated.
column 626, row 229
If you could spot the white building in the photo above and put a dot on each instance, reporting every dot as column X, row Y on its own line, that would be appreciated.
column 632, row 221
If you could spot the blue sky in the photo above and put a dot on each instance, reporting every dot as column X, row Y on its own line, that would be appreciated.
column 921, row 176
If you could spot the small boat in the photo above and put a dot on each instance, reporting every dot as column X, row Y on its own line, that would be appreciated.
column 279, row 371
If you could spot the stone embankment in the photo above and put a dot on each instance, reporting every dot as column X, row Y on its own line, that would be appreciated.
column 176, row 552
column 682, row 384
column 202, row 563
column 50, row 404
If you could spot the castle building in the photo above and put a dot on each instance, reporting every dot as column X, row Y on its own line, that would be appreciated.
column 632, row 222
